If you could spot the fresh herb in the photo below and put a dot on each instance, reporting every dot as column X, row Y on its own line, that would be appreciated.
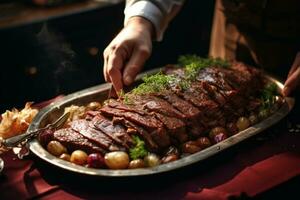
column 193, row 64
column 268, row 95
column 199, row 62
column 154, row 83
column 184, row 84
column 139, row 150
column 160, row 82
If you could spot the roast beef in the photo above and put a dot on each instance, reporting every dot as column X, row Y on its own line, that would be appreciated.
column 171, row 116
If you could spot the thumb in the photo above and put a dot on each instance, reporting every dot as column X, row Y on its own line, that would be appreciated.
column 135, row 64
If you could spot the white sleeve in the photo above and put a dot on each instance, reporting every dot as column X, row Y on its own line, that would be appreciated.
column 156, row 11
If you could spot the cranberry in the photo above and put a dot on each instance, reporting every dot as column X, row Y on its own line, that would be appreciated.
column 95, row 160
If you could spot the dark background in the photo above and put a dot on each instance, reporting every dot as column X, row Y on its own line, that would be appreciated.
column 39, row 64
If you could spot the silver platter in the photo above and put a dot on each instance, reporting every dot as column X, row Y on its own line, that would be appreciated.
column 100, row 93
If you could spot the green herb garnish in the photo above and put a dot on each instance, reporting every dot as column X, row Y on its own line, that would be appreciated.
column 193, row 64
column 160, row 82
column 268, row 95
column 199, row 62
column 139, row 150
column 154, row 83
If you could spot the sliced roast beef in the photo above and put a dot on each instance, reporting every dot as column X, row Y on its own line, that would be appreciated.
column 116, row 132
column 74, row 141
column 136, row 129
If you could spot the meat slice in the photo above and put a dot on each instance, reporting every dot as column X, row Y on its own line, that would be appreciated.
column 158, row 105
column 74, row 140
column 83, row 127
column 176, row 128
column 162, row 110
column 148, row 121
column 117, row 132
column 136, row 129
column 191, row 113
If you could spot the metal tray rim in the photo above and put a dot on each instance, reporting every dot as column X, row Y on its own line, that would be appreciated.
column 39, row 151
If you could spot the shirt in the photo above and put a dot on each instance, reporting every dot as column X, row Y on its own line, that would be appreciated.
column 156, row 11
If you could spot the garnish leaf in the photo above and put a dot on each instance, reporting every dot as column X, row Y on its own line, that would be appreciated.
column 139, row 150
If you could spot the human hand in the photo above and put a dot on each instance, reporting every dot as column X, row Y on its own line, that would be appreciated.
column 293, row 78
column 125, row 56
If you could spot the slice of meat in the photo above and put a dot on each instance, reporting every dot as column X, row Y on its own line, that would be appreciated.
column 83, row 127
column 134, row 129
column 192, row 114
column 153, row 126
column 74, row 141
column 146, row 121
column 117, row 132
column 175, row 127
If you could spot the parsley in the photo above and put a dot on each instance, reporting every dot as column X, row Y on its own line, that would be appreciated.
column 139, row 150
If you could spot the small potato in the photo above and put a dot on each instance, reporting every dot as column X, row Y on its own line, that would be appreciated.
column 203, row 142
column 216, row 131
column 93, row 106
column 79, row 157
column 190, row 147
column 56, row 148
column 151, row 160
column 138, row 163
column 117, row 160
column 65, row 157
column 243, row 123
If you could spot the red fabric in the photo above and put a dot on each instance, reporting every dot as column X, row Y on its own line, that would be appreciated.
column 258, row 165
column 251, row 171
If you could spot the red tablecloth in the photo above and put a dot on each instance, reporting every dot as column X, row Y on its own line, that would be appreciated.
column 251, row 168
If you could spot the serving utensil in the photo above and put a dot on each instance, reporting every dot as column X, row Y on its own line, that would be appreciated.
column 19, row 139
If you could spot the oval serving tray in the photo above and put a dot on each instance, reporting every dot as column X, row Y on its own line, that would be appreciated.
column 100, row 93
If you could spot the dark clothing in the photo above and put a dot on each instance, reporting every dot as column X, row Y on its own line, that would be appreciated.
column 261, row 32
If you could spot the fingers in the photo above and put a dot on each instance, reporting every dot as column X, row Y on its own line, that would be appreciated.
column 295, row 64
column 292, row 82
column 114, row 61
column 135, row 64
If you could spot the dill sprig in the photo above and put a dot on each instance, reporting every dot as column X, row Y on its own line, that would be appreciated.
column 139, row 150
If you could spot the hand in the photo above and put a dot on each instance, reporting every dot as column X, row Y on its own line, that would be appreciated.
column 126, row 54
column 293, row 78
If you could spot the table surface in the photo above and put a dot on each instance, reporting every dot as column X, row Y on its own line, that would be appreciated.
column 258, row 167
column 17, row 13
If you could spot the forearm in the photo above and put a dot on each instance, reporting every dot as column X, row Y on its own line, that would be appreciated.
column 158, row 12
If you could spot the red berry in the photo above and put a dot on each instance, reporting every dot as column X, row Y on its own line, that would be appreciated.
column 95, row 160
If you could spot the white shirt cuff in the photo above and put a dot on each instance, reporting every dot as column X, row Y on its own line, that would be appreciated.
column 149, row 11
